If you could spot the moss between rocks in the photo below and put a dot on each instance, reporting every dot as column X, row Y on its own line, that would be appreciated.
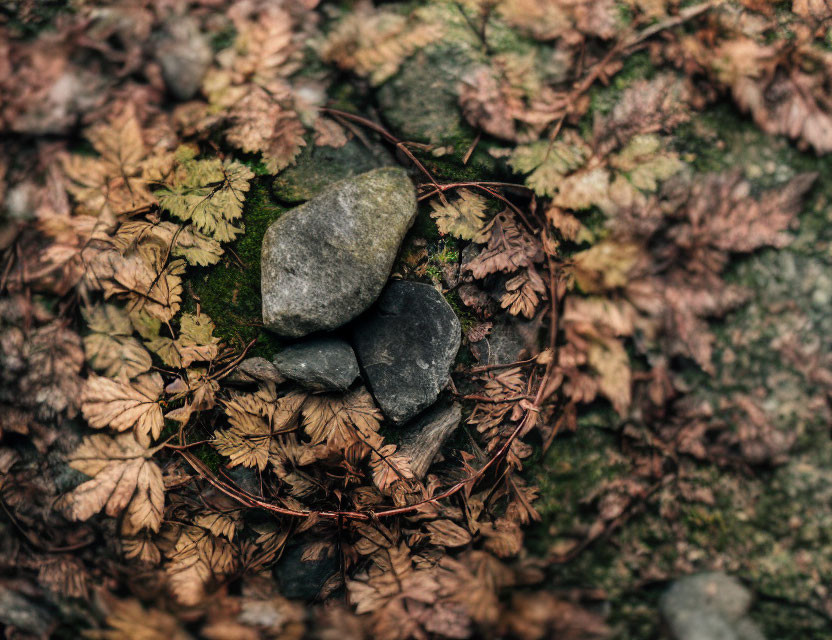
column 229, row 292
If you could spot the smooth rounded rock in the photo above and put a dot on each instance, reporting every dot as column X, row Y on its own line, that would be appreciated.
column 406, row 346
column 708, row 606
column 326, row 261
column 320, row 364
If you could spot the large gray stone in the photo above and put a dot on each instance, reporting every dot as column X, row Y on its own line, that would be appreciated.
column 319, row 364
column 325, row 262
column 406, row 346
column 255, row 369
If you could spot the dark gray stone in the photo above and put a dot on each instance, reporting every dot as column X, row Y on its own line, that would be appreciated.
column 423, row 437
column 709, row 606
column 303, row 580
column 325, row 262
column 320, row 364
column 503, row 345
column 318, row 167
column 184, row 55
column 406, row 346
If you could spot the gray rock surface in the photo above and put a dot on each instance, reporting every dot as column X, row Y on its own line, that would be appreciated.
column 325, row 262
column 406, row 346
column 303, row 579
column 318, row 167
column 184, row 54
column 503, row 345
column 423, row 437
column 422, row 100
column 709, row 606
column 255, row 369
column 319, row 364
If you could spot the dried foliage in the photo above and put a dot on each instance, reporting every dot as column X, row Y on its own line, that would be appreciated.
column 610, row 262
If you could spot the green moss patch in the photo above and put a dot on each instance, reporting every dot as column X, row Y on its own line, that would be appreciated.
column 229, row 292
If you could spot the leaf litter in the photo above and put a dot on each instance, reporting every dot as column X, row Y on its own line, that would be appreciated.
column 95, row 283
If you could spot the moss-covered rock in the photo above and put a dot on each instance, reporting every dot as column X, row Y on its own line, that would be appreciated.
column 326, row 261
column 421, row 102
column 318, row 167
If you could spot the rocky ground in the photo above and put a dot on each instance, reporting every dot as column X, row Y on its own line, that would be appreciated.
column 608, row 232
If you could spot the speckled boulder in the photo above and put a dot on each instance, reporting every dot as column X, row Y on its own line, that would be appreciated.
column 325, row 262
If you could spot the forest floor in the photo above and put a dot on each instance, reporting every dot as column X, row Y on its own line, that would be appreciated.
column 626, row 203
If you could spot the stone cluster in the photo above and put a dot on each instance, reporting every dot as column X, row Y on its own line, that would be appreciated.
column 325, row 271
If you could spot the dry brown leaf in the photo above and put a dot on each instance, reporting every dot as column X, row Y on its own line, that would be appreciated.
column 523, row 293
column 112, row 182
column 123, row 477
column 129, row 620
column 197, row 560
column 509, row 249
column 611, row 362
column 375, row 41
column 646, row 106
column 605, row 266
column 122, row 405
column 783, row 101
column 389, row 467
column 540, row 615
column 110, row 348
column 447, row 534
column 151, row 287
column 260, row 124
column 342, row 420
